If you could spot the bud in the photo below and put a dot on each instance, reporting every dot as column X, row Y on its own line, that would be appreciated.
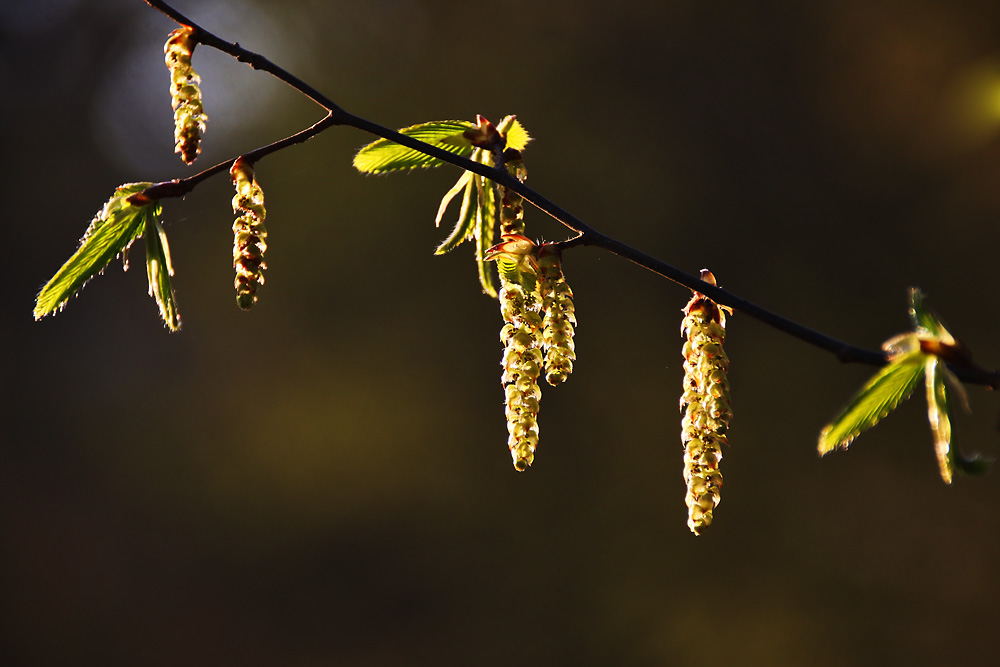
column 484, row 135
column 250, row 235
column 705, row 404
column 185, row 94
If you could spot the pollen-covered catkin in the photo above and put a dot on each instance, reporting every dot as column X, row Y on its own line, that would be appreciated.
column 511, row 203
column 522, row 364
column 185, row 94
column 559, row 322
column 704, row 404
column 249, row 234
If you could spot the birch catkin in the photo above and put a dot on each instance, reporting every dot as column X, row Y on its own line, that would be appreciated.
column 522, row 364
column 185, row 94
column 558, row 325
column 704, row 404
column 249, row 234
column 512, row 204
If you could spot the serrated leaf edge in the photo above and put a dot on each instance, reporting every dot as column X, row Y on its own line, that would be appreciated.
column 114, row 212
column 912, row 363
column 422, row 161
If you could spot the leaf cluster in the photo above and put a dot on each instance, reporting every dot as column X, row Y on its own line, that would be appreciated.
column 921, row 354
column 126, row 216
column 479, row 208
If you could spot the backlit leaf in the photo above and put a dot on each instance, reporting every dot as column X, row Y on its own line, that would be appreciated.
column 486, row 222
column 158, row 270
column 460, row 185
column 890, row 386
column 950, row 459
column 517, row 136
column 465, row 228
column 110, row 233
column 939, row 416
column 383, row 155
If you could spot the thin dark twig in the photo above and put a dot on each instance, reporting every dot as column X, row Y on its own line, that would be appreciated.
column 181, row 186
column 255, row 60
column 585, row 234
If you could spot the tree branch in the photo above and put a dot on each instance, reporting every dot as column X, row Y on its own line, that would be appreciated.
column 181, row 186
column 585, row 234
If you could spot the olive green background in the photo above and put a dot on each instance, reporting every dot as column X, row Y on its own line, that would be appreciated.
column 324, row 480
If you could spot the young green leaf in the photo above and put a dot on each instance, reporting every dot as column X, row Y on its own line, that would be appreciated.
column 939, row 416
column 950, row 459
column 110, row 233
column 890, row 386
column 465, row 228
column 517, row 137
column 158, row 270
column 459, row 186
column 926, row 350
column 383, row 155
column 486, row 222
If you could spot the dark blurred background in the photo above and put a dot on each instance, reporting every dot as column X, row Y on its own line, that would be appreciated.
column 325, row 481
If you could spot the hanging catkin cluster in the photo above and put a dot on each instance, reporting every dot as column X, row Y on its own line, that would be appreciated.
column 249, row 240
column 705, row 405
column 560, row 315
column 185, row 95
column 536, row 304
column 522, row 364
column 539, row 318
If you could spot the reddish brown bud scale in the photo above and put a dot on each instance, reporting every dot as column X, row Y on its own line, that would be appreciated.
column 139, row 199
column 484, row 135
column 954, row 353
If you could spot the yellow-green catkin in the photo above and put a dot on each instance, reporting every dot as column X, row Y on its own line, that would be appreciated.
column 559, row 321
column 522, row 364
column 511, row 203
column 249, row 234
column 185, row 94
column 705, row 405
